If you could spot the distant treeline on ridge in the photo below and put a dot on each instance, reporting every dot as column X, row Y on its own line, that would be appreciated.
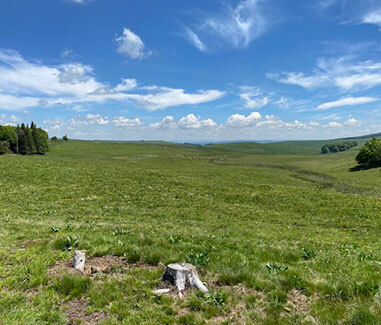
column 338, row 146
column 23, row 140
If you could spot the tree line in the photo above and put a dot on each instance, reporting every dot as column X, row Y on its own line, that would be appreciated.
column 338, row 146
column 24, row 139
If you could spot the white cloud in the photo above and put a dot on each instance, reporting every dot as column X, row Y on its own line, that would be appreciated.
column 126, row 85
column 236, row 26
column 252, row 97
column 77, row 1
column 352, row 122
column 90, row 119
column 192, row 121
column 122, row 121
column 168, row 122
column 11, row 103
column 24, row 84
column 334, row 125
column 96, row 119
column 130, row 45
column 347, row 101
column 298, row 78
column 372, row 17
column 167, row 97
column 189, row 122
column 194, row 39
column 238, row 120
column 343, row 73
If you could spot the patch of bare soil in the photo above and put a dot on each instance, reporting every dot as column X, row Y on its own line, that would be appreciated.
column 76, row 313
column 299, row 305
column 98, row 265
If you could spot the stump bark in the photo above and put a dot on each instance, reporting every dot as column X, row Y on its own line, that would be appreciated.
column 79, row 260
column 183, row 276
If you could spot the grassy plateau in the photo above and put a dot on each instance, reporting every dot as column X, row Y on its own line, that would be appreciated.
column 279, row 233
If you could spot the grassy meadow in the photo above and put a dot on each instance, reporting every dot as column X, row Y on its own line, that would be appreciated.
column 280, row 234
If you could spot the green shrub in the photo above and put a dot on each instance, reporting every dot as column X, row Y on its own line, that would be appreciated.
column 370, row 154
column 4, row 147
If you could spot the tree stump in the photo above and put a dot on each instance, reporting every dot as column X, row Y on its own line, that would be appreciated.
column 79, row 260
column 183, row 276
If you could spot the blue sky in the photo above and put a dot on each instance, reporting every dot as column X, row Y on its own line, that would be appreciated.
column 192, row 70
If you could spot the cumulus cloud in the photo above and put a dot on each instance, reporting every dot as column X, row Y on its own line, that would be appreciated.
column 25, row 84
column 235, row 26
column 344, row 73
column 189, row 122
column 131, row 45
column 334, row 125
column 192, row 121
column 238, row 120
column 96, row 119
column 168, row 122
column 347, row 101
column 122, row 121
column 352, row 122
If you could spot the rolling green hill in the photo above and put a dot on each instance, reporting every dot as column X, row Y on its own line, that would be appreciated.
column 288, row 147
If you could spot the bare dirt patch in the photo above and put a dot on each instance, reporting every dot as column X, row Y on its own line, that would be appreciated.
column 297, row 303
column 76, row 313
column 108, row 264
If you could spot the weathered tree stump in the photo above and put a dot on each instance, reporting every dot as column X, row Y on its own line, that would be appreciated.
column 79, row 260
column 183, row 276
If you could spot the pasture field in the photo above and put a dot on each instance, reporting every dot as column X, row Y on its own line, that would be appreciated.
column 288, row 238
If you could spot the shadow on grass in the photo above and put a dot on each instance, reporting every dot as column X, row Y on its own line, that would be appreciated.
column 360, row 167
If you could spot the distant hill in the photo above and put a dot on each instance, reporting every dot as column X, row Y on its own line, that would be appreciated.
column 288, row 147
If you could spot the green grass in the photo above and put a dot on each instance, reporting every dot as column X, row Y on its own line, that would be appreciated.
column 258, row 227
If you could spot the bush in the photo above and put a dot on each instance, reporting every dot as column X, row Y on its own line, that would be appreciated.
column 4, row 147
column 370, row 154
column 54, row 138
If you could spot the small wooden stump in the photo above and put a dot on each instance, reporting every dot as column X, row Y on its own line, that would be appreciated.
column 183, row 276
column 79, row 260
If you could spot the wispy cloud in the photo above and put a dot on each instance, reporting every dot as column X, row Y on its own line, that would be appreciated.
column 344, row 73
column 194, row 39
column 234, row 26
column 372, row 17
column 347, row 101
column 253, row 97
column 131, row 45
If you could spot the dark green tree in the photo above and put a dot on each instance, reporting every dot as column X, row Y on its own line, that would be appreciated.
column 42, row 141
column 30, row 144
column 370, row 154
column 22, row 142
